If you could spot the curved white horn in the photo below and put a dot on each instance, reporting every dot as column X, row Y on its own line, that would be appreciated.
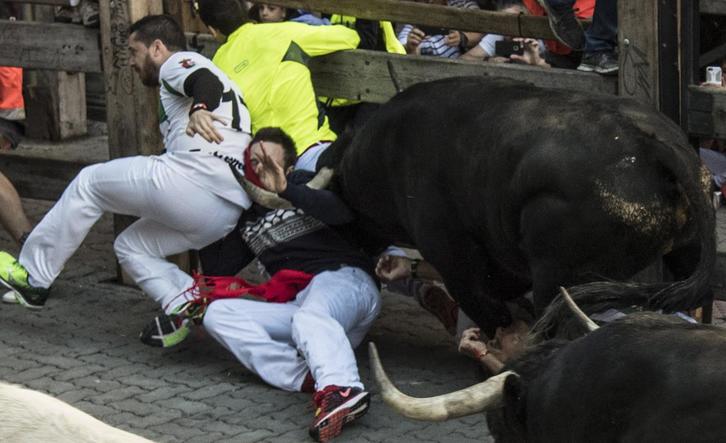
column 474, row 399
column 589, row 324
column 321, row 179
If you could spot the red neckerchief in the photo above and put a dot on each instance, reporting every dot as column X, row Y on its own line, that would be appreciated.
column 250, row 173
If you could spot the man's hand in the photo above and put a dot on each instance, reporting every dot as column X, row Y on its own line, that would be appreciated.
column 415, row 37
column 271, row 174
column 531, row 55
column 471, row 343
column 453, row 39
column 202, row 122
column 393, row 267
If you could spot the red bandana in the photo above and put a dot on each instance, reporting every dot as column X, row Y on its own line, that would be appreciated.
column 250, row 173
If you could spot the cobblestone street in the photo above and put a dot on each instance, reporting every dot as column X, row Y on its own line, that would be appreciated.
column 83, row 348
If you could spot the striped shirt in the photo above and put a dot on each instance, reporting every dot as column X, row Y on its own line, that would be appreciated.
column 436, row 44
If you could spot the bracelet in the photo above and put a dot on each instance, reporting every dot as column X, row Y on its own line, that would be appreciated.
column 482, row 354
column 463, row 42
column 196, row 107
column 414, row 267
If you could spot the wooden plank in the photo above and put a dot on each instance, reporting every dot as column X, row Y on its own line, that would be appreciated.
column 41, row 2
column 707, row 111
column 431, row 15
column 56, row 46
column 55, row 105
column 638, row 43
column 39, row 178
column 716, row 7
column 375, row 76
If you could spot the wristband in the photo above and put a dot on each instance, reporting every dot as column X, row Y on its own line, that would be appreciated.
column 414, row 268
column 196, row 107
column 463, row 42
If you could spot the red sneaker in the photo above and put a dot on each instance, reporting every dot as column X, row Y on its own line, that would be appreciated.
column 336, row 406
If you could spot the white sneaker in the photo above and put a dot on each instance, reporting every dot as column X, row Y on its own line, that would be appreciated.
column 9, row 297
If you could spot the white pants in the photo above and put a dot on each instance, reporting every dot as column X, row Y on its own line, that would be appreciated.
column 316, row 331
column 175, row 215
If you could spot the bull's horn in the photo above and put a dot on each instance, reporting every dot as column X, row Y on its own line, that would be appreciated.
column 260, row 196
column 474, row 399
column 321, row 179
column 589, row 324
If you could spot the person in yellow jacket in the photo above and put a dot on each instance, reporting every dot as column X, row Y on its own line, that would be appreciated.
column 268, row 61
column 352, row 114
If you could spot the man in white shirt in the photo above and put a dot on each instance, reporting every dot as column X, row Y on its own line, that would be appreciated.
column 185, row 198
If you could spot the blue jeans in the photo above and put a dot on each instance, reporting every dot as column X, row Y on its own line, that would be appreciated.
column 602, row 36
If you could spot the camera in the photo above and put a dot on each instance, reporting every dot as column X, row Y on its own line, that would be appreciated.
column 505, row 48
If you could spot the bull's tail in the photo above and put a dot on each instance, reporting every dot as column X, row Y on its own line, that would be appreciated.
column 669, row 297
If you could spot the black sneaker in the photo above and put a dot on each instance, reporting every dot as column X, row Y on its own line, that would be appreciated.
column 15, row 277
column 336, row 406
column 564, row 25
column 165, row 331
column 605, row 63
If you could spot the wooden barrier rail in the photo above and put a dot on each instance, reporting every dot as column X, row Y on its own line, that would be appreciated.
column 54, row 46
column 376, row 76
column 707, row 112
column 431, row 15
column 39, row 178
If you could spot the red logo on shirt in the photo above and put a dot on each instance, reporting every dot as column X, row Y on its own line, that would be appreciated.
column 187, row 63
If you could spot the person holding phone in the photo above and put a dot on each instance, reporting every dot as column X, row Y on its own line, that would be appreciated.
column 440, row 42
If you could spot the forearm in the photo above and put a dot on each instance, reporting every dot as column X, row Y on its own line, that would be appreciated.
column 204, row 87
column 321, row 204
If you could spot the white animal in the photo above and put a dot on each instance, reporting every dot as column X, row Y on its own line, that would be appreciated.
column 28, row 416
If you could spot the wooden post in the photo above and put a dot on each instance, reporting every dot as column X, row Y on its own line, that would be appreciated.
column 55, row 105
column 638, row 43
column 131, row 107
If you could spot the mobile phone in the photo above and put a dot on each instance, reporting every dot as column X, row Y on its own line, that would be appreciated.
column 505, row 48
column 433, row 30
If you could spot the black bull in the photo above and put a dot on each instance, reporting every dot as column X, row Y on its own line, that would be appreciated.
column 644, row 378
column 506, row 187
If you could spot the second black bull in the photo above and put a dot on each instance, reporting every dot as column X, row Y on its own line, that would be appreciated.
column 506, row 187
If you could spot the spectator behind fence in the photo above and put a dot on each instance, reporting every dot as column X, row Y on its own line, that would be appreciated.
column 548, row 53
column 439, row 42
column 268, row 62
column 12, row 112
column 601, row 38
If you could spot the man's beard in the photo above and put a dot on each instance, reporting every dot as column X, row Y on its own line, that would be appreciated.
column 149, row 75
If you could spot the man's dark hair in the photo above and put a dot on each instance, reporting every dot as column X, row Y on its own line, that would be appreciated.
column 277, row 135
column 162, row 27
column 223, row 15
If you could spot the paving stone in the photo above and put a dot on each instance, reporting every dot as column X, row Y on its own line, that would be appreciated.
column 84, row 347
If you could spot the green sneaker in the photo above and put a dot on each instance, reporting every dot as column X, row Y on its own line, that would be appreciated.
column 165, row 331
column 14, row 276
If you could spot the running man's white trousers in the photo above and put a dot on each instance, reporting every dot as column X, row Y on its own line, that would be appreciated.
column 176, row 215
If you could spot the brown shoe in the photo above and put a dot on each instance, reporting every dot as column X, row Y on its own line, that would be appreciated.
column 437, row 301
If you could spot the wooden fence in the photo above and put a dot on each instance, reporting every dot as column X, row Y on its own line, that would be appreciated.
column 651, row 34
